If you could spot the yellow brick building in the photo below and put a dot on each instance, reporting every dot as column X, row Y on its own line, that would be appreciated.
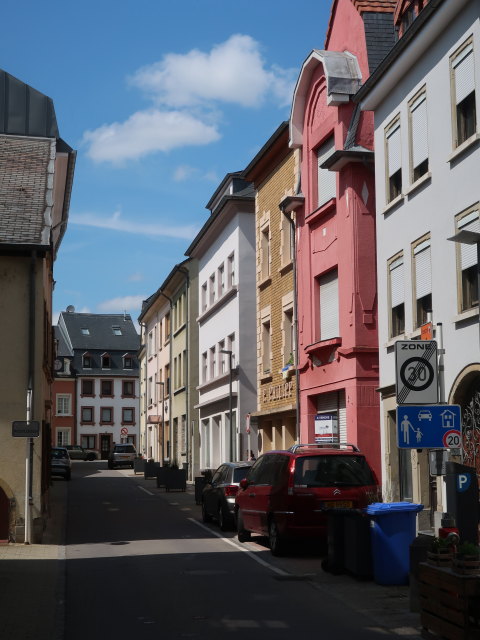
column 274, row 172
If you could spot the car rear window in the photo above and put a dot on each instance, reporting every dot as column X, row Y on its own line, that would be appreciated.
column 333, row 471
column 59, row 453
column 239, row 473
column 124, row 448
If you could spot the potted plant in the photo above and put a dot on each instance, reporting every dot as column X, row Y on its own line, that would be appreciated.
column 467, row 559
column 440, row 553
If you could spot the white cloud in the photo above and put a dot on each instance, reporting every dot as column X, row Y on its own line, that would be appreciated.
column 147, row 132
column 135, row 277
column 118, row 305
column 184, row 172
column 233, row 72
column 116, row 223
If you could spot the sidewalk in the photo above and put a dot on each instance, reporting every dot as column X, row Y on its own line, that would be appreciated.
column 32, row 578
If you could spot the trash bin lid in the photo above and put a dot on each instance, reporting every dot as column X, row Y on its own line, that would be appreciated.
column 383, row 508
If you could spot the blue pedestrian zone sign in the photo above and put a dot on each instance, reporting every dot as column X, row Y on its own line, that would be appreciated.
column 431, row 426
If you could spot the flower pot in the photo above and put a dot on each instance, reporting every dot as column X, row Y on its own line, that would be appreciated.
column 467, row 565
column 441, row 559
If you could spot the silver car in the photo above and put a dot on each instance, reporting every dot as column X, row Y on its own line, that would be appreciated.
column 122, row 455
column 60, row 464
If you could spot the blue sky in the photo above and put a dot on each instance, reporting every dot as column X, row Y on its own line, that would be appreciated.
column 160, row 100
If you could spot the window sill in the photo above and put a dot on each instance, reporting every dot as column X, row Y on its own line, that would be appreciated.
column 231, row 293
column 224, row 377
column 459, row 151
column 266, row 377
column 87, row 424
column 106, row 424
column 391, row 342
column 106, row 396
column 265, row 282
column 466, row 315
column 393, row 203
column 128, row 424
column 179, row 390
column 326, row 208
column 427, row 177
column 180, row 328
column 285, row 268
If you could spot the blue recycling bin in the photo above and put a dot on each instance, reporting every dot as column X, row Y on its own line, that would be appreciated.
column 393, row 529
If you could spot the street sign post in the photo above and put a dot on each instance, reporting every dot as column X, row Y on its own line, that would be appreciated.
column 25, row 429
column 416, row 371
column 429, row 426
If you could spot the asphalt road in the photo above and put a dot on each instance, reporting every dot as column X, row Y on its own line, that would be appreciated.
column 140, row 564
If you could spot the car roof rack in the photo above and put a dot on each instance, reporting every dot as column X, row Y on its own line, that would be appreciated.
column 324, row 445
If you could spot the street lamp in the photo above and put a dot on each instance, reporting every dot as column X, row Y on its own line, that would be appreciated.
column 163, row 420
column 230, row 411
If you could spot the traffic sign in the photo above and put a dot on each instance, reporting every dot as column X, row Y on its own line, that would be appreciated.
column 124, row 431
column 429, row 426
column 25, row 428
column 416, row 371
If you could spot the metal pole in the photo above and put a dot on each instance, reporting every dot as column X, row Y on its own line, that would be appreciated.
column 27, row 473
column 478, row 284
column 230, row 411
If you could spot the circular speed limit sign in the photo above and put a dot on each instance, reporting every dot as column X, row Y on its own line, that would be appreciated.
column 452, row 439
column 416, row 374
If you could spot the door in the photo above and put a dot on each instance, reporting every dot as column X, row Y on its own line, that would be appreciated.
column 105, row 446
column 4, row 515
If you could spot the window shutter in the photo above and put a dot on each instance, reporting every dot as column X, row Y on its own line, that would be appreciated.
column 327, row 180
column 419, row 130
column 329, row 316
column 423, row 269
column 394, row 150
column 396, row 282
column 464, row 74
column 468, row 252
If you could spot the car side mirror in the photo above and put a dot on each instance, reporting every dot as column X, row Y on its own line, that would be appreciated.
column 244, row 483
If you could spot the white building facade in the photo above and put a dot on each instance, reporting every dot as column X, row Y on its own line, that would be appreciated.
column 225, row 249
column 425, row 96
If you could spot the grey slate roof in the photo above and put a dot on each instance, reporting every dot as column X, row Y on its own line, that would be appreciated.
column 25, row 111
column 101, row 339
column 379, row 35
column 62, row 347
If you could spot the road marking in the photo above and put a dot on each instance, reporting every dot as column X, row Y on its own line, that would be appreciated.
column 146, row 491
column 239, row 547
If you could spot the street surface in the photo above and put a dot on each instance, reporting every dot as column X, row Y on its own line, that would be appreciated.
column 140, row 564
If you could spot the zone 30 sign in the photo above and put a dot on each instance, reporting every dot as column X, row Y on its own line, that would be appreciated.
column 416, row 371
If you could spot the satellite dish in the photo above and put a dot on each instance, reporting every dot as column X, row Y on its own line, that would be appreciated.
column 70, row 308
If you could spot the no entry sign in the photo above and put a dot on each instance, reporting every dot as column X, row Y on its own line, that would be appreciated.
column 416, row 371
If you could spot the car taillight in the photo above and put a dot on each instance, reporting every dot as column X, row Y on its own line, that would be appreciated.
column 231, row 490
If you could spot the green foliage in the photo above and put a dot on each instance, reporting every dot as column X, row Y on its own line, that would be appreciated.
column 467, row 549
column 440, row 545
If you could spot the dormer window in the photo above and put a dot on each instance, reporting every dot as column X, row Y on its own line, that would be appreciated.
column 117, row 331
column 87, row 361
column 127, row 362
column 106, row 361
column 85, row 331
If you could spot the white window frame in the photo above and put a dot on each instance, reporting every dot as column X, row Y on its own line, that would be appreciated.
column 326, row 180
column 62, row 399
column 328, row 298
column 418, row 126
column 393, row 158
column 421, row 275
column 462, row 61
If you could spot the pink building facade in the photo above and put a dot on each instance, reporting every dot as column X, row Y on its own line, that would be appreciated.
column 337, row 347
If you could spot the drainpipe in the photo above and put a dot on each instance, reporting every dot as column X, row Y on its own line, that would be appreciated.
column 30, row 396
column 186, row 273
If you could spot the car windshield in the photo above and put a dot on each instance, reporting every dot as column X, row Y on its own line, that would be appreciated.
column 124, row 448
column 59, row 453
column 332, row 471
column 239, row 473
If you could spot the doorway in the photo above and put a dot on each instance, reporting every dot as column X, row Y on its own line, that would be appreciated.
column 4, row 515
column 105, row 446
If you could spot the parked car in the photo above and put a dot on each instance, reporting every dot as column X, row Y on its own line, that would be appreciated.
column 77, row 452
column 122, row 455
column 60, row 464
column 286, row 493
column 218, row 495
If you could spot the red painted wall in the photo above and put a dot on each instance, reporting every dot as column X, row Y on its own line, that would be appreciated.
column 60, row 387
column 340, row 234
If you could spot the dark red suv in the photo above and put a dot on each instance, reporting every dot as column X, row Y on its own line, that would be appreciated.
column 286, row 493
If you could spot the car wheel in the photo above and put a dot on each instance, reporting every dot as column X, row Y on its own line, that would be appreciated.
column 223, row 520
column 91, row 457
column 206, row 517
column 242, row 534
column 277, row 543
